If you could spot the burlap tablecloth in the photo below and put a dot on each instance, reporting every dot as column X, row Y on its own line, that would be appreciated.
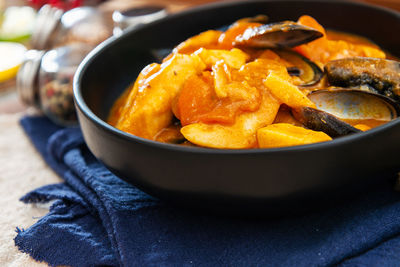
column 21, row 170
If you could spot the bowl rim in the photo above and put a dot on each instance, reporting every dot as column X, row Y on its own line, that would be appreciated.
column 88, row 113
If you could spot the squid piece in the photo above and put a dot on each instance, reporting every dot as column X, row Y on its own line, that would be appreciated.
column 149, row 110
column 242, row 134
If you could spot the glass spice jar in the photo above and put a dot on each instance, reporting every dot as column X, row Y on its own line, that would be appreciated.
column 44, row 80
column 55, row 28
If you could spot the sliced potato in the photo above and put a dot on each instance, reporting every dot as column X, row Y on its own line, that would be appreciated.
column 362, row 127
column 284, row 134
column 242, row 134
column 286, row 92
column 150, row 111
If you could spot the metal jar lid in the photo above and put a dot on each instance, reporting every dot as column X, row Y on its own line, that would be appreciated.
column 46, row 23
column 27, row 78
column 136, row 16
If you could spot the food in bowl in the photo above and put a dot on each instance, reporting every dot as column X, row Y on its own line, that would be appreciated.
column 259, row 85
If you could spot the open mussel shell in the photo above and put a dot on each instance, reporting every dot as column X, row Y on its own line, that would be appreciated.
column 319, row 120
column 356, row 106
column 277, row 35
column 339, row 108
column 305, row 69
column 379, row 75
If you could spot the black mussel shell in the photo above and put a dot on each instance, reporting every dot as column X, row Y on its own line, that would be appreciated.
column 356, row 104
column 380, row 75
column 304, row 68
column 277, row 35
column 318, row 120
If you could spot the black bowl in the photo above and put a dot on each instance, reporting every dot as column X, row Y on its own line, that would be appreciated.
column 235, row 180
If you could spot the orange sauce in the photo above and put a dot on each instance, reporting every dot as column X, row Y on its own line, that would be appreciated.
column 371, row 123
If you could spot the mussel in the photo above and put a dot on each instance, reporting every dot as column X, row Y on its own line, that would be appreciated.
column 378, row 75
column 308, row 71
column 318, row 120
column 339, row 108
column 277, row 35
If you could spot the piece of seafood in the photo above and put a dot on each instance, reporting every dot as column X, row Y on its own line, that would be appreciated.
column 318, row 120
column 277, row 35
column 337, row 108
column 302, row 67
column 380, row 75
column 356, row 106
column 147, row 109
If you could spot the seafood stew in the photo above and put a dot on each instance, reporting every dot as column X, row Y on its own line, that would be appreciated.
column 236, row 181
column 262, row 85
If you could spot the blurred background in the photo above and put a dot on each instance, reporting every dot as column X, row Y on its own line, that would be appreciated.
column 43, row 41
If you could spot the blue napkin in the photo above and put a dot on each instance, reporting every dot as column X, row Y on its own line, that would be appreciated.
column 97, row 219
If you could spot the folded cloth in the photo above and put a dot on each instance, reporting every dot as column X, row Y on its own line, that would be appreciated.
column 98, row 219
